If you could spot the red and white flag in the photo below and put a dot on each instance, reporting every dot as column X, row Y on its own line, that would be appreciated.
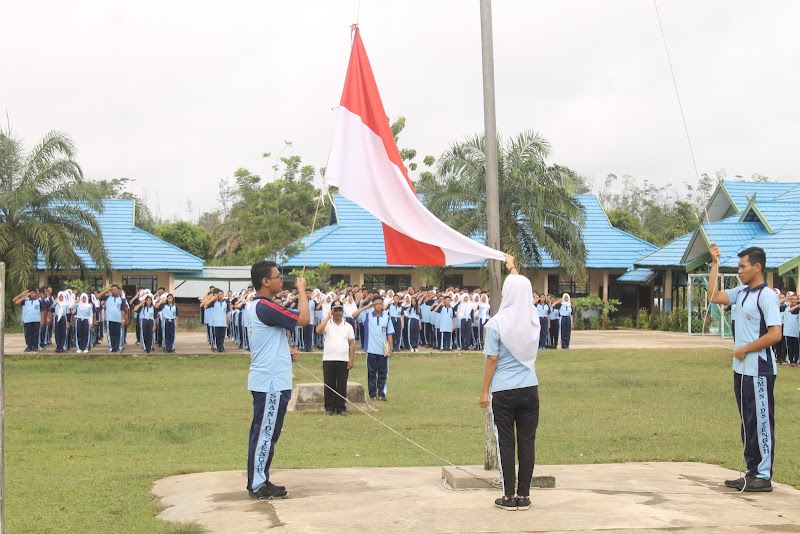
column 366, row 167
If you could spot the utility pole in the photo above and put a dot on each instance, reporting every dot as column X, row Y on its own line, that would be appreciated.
column 492, row 192
column 2, row 399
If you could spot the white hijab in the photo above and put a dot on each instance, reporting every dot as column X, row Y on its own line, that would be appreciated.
column 517, row 321
column 84, row 305
column 62, row 305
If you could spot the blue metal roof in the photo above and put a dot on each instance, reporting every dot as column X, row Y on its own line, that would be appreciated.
column 357, row 241
column 775, row 209
column 132, row 249
column 637, row 276
column 739, row 191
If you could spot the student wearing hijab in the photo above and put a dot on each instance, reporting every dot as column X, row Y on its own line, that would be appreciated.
column 395, row 311
column 412, row 318
column 147, row 327
column 483, row 318
column 465, row 322
column 168, row 312
column 511, row 387
column 565, row 313
column 84, row 315
column 61, row 312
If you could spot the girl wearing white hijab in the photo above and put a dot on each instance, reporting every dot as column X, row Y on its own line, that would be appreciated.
column 483, row 318
column 512, row 338
column 566, row 313
column 84, row 313
column 61, row 311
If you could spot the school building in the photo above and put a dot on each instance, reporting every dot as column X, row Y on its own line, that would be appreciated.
column 138, row 258
column 740, row 215
column 352, row 244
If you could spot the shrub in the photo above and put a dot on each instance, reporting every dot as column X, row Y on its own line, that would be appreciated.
column 642, row 320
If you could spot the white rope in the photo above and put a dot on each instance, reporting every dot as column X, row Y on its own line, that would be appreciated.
column 711, row 235
column 494, row 482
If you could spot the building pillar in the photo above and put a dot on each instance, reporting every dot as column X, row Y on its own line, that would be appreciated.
column 605, row 286
column 545, row 287
column 171, row 283
column 360, row 279
column 668, row 290
column 770, row 279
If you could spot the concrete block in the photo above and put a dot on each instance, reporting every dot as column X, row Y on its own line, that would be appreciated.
column 310, row 397
column 476, row 477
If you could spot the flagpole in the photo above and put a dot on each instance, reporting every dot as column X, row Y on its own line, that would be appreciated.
column 492, row 193
column 2, row 399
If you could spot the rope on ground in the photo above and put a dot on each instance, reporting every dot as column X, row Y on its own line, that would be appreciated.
column 495, row 482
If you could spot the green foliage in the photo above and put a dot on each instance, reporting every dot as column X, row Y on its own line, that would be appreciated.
column 316, row 278
column 116, row 188
column 43, row 209
column 81, row 286
column 538, row 209
column 643, row 320
column 192, row 238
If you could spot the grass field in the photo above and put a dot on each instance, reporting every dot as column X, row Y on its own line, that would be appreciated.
column 86, row 437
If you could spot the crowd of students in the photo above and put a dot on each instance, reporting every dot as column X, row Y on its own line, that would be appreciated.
column 85, row 320
column 444, row 320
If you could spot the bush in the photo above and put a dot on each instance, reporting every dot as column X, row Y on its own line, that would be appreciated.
column 642, row 320
column 624, row 322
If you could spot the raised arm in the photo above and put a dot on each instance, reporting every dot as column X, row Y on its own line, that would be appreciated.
column 714, row 293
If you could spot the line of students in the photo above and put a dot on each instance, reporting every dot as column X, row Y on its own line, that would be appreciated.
column 83, row 321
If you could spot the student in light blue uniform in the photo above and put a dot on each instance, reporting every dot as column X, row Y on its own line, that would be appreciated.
column 147, row 327
column 84, row 314
column 61, row 312
column 168, row 313
column 543, row 310
column 412, row 317
column 555, row 323
column 511, row 387
column 270, row 378
column 116, row 317
column 791, row 330
column 446, row 315
column 758, row 328
column 378, row 328
column 217, row 310
column 32, row 317
column 565, row 313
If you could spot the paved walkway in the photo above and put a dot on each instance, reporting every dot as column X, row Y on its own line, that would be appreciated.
column 195, row 342
column 611, row 498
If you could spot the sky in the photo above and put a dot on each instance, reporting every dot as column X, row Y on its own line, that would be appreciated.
column 177, row 95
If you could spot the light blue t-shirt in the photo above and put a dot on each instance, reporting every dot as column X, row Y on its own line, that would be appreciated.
column 217, row 312
column 791, row 326
column 510, row 373
column 147, row 313
column 411, row 313
column 543, row 310
column 446, row 318
column 168, row 312
column 425, row 312
column 114, row 309
column 83, row 313
column 565, row 310
column 377, row 329
column 31, row 310
column 395, row 311
column 749, row 327
column 270, row 355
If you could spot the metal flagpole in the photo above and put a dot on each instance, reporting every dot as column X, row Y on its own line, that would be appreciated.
column 492, row 193
column 2, row 399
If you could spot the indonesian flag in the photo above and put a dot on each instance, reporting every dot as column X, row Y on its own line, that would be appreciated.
column 366, row 167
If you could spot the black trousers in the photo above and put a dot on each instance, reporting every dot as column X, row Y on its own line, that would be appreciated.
column 82, row 328
column 566, row 332
column 32, row 335
column 308, row 330
column 756, row 401
column 219, row 338
column 335, row 376
column 146, row 332
column 555, row 327
column 169, row 334
column 792, row 348
column 114, row 337
column 516, row 408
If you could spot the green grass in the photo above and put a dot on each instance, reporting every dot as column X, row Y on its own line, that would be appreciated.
column 86, row 437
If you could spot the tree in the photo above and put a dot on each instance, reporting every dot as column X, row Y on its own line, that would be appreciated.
column 115, row 188
column 43, row 208
column 538, row 209
column 192, row 238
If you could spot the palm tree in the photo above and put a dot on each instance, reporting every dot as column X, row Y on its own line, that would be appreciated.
column 46, row 209
column 538, row 208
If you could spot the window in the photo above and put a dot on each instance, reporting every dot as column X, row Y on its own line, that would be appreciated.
column 454, row 280
column 387, row 281
column 60, row 283
column 336, row 278
column 133, row 283
column 567, row 284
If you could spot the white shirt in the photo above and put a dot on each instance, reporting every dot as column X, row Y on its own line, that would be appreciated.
column 337, row 346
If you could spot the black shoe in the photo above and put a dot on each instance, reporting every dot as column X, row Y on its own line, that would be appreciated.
column 274, row 487
column 267, row 492
column 506, row 503
column 735, row 484
column 343, row 413
column 523, row 503
column 382, row 398
column 373, row 397
column 328, row 412
column 755, row 484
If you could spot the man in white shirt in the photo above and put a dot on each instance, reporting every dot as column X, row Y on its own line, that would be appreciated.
column 337, row 358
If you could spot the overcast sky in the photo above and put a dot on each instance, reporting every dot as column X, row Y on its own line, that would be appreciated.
column 178, row 95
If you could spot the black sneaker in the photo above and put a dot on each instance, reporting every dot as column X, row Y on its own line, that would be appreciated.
column 274, row 487
column 382, row 398
column 343, row 414
column 757, row 484
column 735, row 484
column 267, row 492
column 328, row 412
column 506, row 503
column 523, row 503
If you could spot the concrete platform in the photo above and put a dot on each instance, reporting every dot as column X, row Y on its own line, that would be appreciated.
column 310, row 397
column 610, row 498
column 476, row 477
